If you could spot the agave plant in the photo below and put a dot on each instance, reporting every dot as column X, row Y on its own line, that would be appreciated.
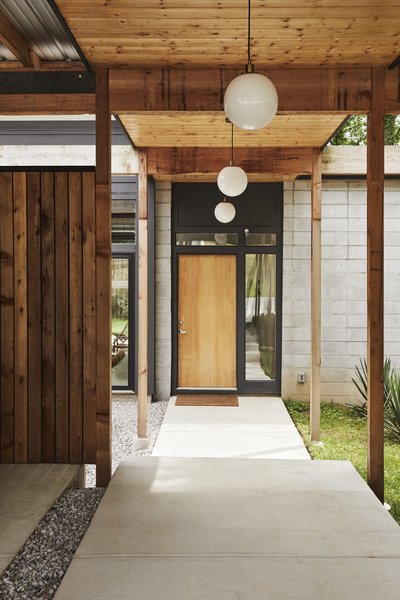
column 391, row 391
column 392, row 411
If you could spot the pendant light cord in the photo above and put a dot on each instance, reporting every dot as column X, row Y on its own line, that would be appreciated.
column 248, row 33
column 232, row 161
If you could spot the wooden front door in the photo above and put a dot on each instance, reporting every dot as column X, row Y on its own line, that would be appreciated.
column 206, row 321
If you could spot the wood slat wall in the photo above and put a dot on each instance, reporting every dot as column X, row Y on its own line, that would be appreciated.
column 48, row 317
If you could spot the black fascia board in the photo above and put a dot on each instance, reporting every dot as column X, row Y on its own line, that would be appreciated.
column 48, row 82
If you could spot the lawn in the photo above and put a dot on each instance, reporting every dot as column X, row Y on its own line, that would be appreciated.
column 345, row 438
column 118, row 325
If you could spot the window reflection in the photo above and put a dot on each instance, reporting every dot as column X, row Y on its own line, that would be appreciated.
column 207, row 239
column 120, row 313
column 261, row 239
column 260, row 316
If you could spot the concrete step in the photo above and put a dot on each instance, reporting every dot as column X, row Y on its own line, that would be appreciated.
column 223, row 529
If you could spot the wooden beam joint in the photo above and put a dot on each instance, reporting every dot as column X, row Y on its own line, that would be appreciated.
column 17, row 44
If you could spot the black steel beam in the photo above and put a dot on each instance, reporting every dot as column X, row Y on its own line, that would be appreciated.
column 51, row 82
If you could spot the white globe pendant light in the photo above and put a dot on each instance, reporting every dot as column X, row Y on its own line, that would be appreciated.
column 232, row 180
column 224, row 212
column 250, row 100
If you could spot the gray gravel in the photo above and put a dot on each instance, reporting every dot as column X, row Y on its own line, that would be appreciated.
column 125, row 430
column 39, row 566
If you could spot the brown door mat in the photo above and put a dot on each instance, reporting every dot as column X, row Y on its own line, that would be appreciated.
column 207, row 400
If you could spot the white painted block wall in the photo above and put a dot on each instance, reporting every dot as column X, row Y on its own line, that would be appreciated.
column 344, row 305
column 344, row 297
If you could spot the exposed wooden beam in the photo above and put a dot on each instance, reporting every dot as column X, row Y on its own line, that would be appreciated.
column 375, row 311
column 143, row 295
column 45, row 65
column 212, row 177
column 300, row 90
column 47, row 104
column 17, row 44
column 266, row 162
column 315, row 392
column 103, row 280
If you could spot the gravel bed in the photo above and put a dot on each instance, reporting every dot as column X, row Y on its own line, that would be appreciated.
column 39, row 566
column 124, row 418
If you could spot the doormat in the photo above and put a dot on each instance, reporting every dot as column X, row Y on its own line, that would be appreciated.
column 207, row 400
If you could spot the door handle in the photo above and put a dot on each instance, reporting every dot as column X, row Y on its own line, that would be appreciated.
column 181, row 331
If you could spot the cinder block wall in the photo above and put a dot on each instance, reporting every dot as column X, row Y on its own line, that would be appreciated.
column 344, row 298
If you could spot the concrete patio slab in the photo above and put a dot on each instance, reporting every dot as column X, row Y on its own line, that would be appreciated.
column 174, row 528
column 230, row 578
column 26, row 494
column 259, row 427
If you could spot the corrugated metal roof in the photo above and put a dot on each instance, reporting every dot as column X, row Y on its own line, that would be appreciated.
column 40, row 26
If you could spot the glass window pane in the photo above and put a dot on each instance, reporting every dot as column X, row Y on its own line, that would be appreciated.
column 260, row 317
column 261, row 239
column 206, row 239
column 120, row 311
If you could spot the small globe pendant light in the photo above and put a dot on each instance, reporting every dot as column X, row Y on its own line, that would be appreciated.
column 232, row 180
column 224, row 211
column 250, row 100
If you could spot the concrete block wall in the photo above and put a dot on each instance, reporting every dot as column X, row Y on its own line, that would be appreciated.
column 344, row 298
column 163, row 270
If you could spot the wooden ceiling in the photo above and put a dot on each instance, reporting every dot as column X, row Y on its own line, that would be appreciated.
column 210, row 130
column 296, row 33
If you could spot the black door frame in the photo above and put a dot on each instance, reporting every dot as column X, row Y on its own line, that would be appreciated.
column 272, row 387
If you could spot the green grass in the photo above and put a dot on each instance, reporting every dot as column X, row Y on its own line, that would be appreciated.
column 118, row 325
column 345, row 438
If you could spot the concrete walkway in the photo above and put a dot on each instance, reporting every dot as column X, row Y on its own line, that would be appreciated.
column 26, row 494
column 236, row 529
column 259, row 427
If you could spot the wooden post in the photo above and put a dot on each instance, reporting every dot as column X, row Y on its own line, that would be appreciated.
column 375, row 313
column 315, row 394
column 143, row 296
column 103, row 280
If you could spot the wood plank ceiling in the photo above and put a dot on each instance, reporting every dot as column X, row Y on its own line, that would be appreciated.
column 194, row 33
column 209, row 129
column 213, row 33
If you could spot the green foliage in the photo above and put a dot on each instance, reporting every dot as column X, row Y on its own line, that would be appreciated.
column 345, row 438
column 354, row 132
column 392, row 130
column 391, row 391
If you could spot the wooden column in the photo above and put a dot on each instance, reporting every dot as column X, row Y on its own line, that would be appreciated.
column 375, row 316
column 315, row 395
column 103, row 279
column 143, row 296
